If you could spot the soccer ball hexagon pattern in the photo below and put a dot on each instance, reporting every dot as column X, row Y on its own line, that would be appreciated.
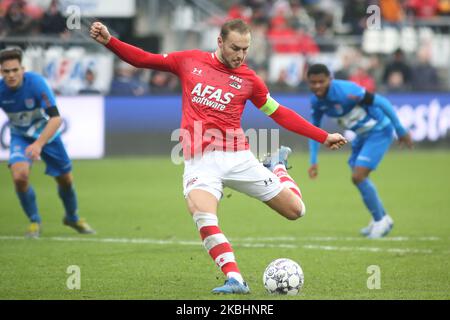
column 283, row 276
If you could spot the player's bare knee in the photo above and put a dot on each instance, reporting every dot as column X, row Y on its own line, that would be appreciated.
column 301, row 210
column 295, row 212
column 20, row 180
column 293, row 215
column 357, row 178
column 65, row 181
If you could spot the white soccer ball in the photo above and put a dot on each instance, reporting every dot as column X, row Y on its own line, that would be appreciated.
column 283, row 276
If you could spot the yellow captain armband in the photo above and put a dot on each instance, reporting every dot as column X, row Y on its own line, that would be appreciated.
column 270, row 106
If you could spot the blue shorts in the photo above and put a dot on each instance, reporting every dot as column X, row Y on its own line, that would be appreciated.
column 368, row 150
column 53, row 154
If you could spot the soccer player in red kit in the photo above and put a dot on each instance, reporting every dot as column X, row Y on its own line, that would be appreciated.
column 215, row 89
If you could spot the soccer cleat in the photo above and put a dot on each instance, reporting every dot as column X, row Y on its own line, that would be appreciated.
column 81, row 226
column 33, row 230
column 380, row 228
column 390, row 221
column 366, row 230
column 279, row 157
column 232, row 286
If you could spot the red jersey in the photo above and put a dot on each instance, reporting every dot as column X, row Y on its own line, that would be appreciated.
column 213, row 97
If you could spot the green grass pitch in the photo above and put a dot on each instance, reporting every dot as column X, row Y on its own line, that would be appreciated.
column 147, row 246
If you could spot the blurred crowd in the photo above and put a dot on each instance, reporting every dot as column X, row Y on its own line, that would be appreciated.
column 304, row 28
column 283, row 27
column 21, row 18
column 318, row 17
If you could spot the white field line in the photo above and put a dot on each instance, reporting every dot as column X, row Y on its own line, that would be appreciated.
column 368, row 249
column 387, row 239
column 145, row 241
column 235, row 243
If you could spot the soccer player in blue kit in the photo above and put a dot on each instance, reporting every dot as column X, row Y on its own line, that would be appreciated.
column 373, row 119
column 34, row 121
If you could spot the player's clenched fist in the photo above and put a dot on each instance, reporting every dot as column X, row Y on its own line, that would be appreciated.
column 335, row 141
column 99, row 32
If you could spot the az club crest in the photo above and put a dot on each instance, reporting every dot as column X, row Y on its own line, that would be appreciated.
column 235, row 82
column 235, row 85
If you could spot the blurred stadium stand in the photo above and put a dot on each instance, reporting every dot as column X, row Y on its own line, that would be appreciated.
column 287, row 37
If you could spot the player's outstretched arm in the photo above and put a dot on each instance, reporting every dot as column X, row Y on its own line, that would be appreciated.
column 128, row 53
column 292, row 121
column 403, row 135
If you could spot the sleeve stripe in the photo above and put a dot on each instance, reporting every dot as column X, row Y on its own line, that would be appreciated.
column 270, row 106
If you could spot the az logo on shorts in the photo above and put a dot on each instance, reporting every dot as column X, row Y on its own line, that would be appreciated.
column 191, row 182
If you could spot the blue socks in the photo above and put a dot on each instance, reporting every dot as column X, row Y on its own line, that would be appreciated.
column 69, row 199
column 371, row 199
column 28, row 203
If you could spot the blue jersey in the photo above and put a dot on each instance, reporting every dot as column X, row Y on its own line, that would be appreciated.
column 354, row 110
column 343, row 103
column 25, row 106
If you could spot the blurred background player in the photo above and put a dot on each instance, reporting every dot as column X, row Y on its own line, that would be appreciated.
column 373, row 119
column 216, row 87
column 34, row 121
